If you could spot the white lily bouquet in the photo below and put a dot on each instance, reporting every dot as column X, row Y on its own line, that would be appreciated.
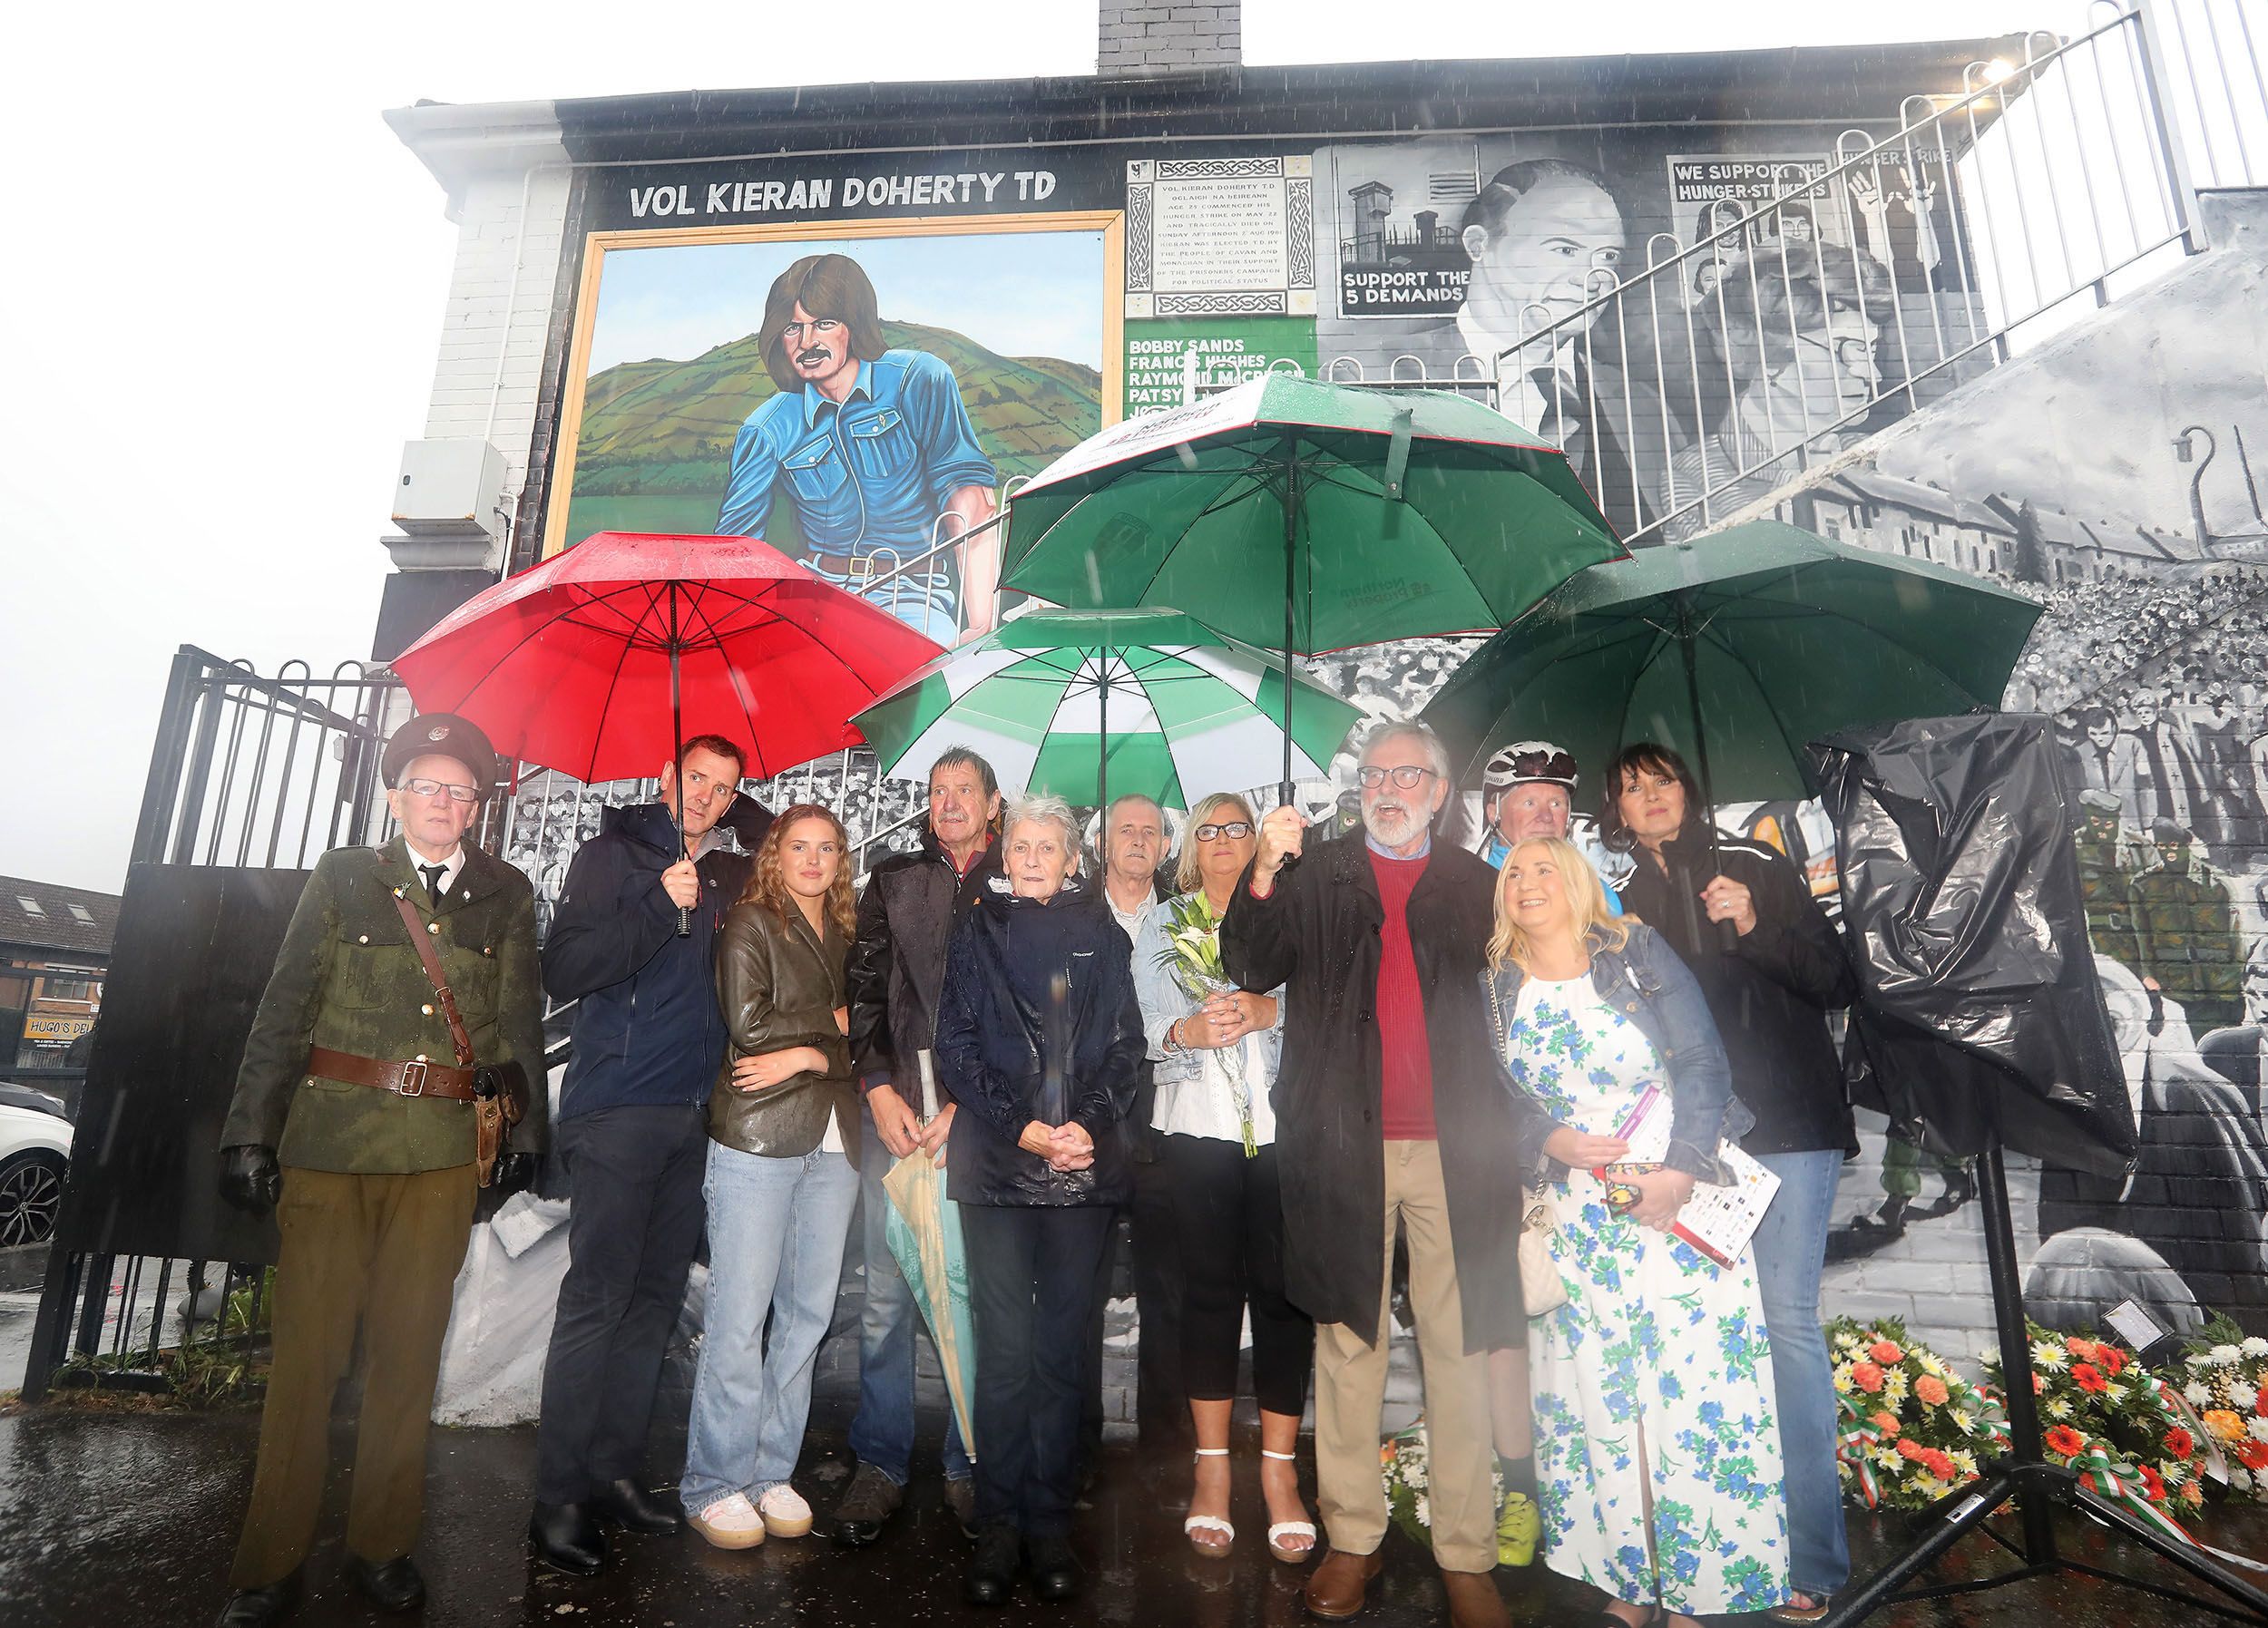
column 1192, row 955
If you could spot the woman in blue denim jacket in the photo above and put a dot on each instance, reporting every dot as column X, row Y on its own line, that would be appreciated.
column 1217, row 1049
column 1657, row 1454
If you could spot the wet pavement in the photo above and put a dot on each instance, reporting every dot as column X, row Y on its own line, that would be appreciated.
column 129, row 1520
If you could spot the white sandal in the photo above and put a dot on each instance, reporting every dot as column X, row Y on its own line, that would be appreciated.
column 1210, row 1523
column 1284, row 1529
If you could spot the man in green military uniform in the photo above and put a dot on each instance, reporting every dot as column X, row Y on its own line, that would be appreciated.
column 355, row 1118
column 2106, row 879
column 2185, row 923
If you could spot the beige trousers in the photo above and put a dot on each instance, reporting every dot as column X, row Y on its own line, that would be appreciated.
column 1351, row 1388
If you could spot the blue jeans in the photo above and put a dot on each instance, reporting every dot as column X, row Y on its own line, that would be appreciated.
column 922, row 600
column 776, row 1228
column 882, row 1434
column 1790, row 1246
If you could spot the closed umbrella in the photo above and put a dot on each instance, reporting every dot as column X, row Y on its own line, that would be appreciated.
column 924, row 1232
column 1090, row 702
column 1309, row 516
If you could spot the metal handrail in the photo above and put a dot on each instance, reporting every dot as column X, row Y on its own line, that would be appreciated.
column 1812, row 186
column 2033, row 213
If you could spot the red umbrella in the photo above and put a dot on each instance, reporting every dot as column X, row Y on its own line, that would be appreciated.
column 591, row 663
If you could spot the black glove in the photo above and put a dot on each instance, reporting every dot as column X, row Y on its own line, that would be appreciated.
column 514, row 1172
column 251, row 1179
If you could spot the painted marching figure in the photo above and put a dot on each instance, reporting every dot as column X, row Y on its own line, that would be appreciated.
column 357, row 1117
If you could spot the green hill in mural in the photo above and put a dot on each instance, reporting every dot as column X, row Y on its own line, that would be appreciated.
column 664, row 429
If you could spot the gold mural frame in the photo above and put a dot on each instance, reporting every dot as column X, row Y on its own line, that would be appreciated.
column 597, row 246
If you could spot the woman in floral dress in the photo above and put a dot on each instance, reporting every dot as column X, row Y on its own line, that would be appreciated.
column 1656, row 1453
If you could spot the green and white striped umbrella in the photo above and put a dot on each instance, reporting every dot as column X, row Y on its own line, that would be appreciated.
column 1185, row 711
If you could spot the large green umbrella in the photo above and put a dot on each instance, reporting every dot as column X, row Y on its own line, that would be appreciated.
column 1309, row 516
column 1181, row 708
column 1735, row 649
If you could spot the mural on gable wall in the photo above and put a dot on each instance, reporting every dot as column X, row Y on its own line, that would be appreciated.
column 1482, row 262
column 2136, row 514
column 849, row 362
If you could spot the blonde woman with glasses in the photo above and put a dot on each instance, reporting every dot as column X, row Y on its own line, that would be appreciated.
column 1215, row 1049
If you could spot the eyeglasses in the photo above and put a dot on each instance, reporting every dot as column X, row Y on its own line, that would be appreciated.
column 422, row 787
column 1236, row 830
column 1850, row 352
column 1408, row 777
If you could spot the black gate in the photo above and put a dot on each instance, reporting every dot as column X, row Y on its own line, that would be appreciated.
column 251, row 778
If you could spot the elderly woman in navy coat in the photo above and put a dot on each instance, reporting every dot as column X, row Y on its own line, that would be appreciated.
column 1039, row 1040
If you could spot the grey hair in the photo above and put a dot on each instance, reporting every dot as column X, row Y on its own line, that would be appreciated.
column 1042, row 808
column 1436, row 753
column 1124, row 798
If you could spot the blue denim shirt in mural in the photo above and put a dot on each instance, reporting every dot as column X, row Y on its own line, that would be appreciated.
column 871, row 474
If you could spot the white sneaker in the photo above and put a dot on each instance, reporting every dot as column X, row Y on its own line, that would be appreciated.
column 784, row 1513
column 730, row 1522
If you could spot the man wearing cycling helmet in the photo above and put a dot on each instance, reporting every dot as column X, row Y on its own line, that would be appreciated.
column 1529, row 790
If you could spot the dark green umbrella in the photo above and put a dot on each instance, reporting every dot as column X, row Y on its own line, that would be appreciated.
column 1735, row 649
column 1309, row 517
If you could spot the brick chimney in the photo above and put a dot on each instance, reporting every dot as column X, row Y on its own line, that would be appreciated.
column 1169, row 37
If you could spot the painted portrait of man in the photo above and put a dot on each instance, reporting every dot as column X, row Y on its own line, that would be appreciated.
column 874, row 450
column 1547, row 238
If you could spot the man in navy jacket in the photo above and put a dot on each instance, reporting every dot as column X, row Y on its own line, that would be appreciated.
column 632, row 1128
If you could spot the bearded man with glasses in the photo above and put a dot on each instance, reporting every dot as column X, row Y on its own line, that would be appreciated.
column 354, row 1120
column 1390, row 1110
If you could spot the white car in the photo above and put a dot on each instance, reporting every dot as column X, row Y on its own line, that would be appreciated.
column 34, row 1158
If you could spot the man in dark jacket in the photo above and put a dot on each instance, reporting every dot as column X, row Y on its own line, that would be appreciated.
column 1133, row 840
column 633, row 1131
column 897, row 965
column 352, row 1121
column 1388, row 1109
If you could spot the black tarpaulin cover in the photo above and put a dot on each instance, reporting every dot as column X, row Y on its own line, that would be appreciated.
column 1979, row 1006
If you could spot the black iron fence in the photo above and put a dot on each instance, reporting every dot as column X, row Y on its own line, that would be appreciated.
column 257, row 774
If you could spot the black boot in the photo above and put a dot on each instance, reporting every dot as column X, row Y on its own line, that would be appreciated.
column 993, row 1572
column 261, row 1607
column 1056, row 1574
column 626, row 1503
column 567, row 1538
column 388, row 1584
column 1961, row 1186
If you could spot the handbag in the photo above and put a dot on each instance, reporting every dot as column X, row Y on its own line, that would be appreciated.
column 1541, row 1288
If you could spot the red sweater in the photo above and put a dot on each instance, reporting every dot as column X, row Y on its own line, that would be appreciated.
column 1406, row 1108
